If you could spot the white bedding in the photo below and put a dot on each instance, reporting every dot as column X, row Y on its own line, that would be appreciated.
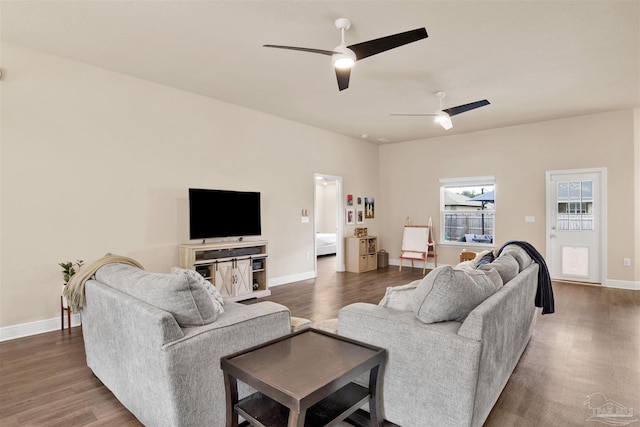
column 325, row 243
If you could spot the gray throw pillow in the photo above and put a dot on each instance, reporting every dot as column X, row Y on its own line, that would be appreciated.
column 400, row 297
column 506, row 265
column 448, row 294
column 520, row 255
column 186, row 299
column 214, row 294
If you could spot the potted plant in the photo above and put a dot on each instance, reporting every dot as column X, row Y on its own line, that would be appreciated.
column 68, row 270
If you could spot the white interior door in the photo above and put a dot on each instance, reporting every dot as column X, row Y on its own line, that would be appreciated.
column 575, row 225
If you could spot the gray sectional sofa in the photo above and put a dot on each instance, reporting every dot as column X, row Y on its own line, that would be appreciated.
column 155, row 340
column 452, row 340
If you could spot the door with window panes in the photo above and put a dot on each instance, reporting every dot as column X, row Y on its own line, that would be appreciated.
column 574, row 221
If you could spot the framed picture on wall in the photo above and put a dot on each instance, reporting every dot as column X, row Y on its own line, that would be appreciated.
column 359, row 216
column 369, row 208
column 349, row 216
column 349, row 199
column 359, row 200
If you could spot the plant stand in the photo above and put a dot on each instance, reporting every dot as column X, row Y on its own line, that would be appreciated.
column 64, row 307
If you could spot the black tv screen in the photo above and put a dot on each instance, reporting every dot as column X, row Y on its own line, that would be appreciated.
column 221, row 213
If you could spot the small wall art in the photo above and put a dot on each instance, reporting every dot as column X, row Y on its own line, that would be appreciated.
column 349, row 216
column 369, row 208
column 359, row 200
column 349, row 199
column 359, row 216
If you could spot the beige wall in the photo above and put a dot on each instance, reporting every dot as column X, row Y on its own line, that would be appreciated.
column 518, row 157
column 95, row 162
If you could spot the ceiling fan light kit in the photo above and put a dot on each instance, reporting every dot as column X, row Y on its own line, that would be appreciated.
column 344, row 58
column 444, row 120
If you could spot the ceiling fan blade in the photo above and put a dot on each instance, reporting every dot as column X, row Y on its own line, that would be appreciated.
column 466, row 107
column 302, row 49
column 373, row 47
column 343, row 75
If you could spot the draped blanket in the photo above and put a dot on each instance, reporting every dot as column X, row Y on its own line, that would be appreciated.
column 544, row 293
column 74, row 291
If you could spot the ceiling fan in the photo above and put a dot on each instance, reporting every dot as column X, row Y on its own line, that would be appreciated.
column 344, row 56
column 443, row 115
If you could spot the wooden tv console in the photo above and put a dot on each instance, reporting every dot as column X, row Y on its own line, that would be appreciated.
column 237, row 269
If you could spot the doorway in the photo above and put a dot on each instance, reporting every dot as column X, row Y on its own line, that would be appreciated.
column 328, row 226
column 576, row 225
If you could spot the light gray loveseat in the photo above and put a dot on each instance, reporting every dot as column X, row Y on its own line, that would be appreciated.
column 450, row 373
column 163, row 365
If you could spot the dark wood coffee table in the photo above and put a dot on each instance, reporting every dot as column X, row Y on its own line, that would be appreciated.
column 303, row 379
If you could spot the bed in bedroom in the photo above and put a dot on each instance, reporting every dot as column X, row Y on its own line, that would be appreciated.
column 325, row 244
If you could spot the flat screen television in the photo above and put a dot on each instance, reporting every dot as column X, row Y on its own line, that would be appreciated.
column 222, row 213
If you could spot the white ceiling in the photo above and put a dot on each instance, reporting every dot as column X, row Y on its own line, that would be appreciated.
column 533, row 60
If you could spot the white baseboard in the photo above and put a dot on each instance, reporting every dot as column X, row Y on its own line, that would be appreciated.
column 416, row 264
column 623, row 284
column 283, row 280
column 35, row 328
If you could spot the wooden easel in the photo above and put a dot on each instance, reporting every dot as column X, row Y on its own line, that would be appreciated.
column 418, row 244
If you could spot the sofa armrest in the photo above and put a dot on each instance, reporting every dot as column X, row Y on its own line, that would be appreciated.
column 428, row 365
column 193, row 362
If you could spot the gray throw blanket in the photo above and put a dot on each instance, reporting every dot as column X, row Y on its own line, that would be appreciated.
column 74, row 291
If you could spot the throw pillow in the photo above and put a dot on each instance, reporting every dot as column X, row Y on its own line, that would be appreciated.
column 520, row 255
column 214, row 294
column 494, row 276
column 448, row 294
column 466, row 265
column 506, row 265
column 485, row 257
column 400, row 297
column 186, row 299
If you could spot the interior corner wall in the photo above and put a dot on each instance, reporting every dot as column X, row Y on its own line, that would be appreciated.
column 94, row 161
column 518, row 157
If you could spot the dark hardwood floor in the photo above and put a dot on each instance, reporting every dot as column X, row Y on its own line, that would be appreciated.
column 590, row 345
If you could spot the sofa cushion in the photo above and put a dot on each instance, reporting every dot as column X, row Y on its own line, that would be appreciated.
column 506, row 265
column 449, row 294
column 400, row 297
column 182, row 296
column 520, row 255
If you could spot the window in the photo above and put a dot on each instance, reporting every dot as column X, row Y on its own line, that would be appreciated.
column 467, row 208
column 575, row 205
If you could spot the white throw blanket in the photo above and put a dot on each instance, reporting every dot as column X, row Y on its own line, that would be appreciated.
column 74, row 291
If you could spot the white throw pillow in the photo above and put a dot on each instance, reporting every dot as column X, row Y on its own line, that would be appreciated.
column 400, row 297
column 214, row 294
column 466, row 265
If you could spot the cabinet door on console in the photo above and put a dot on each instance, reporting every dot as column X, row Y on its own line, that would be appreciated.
column 223, row 279
column 243, row 274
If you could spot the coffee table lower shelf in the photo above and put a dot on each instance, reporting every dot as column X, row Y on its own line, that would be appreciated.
column 262, row 411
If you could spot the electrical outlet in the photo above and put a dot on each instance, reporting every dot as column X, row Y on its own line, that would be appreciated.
column 529, row 219
column 626, row 262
